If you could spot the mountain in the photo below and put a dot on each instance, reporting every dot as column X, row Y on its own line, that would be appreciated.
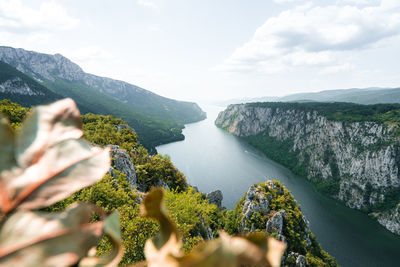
column 350, row 151
column 373, row 95
column 157, row 119
column 18, row 87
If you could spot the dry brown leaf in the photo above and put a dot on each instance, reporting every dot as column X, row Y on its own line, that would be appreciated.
column 46, row 126
column 52, row 160
column 161, row 250
column 226, row 251
column 112, row 229
column 30, row 238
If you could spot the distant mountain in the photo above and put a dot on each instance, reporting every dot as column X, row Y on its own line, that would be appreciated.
column 157, row 119
column 373, row 95
column 18, row 87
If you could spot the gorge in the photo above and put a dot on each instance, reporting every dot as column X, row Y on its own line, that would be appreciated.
column 213, row 159
column 351, row 155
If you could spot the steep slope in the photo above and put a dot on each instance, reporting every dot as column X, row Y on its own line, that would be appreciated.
column 18, row 87
column 350, row 151
column 157, row 119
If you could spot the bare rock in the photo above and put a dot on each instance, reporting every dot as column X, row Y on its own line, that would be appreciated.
column 122, row 162
column 275, row 224
column 215, row 197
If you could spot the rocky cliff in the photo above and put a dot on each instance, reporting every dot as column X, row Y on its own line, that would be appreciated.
column 17, row 86
column 356, row 162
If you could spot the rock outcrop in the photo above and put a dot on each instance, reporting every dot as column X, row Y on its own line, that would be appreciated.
column 360, row 161
column 275, row 224
column 215, row 197
column 122, row 162
column 270, row 207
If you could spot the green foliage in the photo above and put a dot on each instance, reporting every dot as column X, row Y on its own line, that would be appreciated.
column 341, row 111
column 115, row 194
column 392, row 199
column 14, row 112
column 278, row 150
column 160, row 168
column 329, row 187
column 232, row 219
column 102, row 130
column 193, row 215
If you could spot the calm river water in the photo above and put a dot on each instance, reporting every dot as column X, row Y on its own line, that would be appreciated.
column 213, row 159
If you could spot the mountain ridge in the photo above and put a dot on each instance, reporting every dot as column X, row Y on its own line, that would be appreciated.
column 157, row 119
column 369, row 95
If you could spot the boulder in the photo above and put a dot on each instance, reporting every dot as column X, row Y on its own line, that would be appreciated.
column 215, row 197
column 275, row 224
column 122, row 162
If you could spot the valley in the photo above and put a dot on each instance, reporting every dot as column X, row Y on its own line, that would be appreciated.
column 213, row 159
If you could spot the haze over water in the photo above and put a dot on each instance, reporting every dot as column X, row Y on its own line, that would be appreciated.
column 213, row 159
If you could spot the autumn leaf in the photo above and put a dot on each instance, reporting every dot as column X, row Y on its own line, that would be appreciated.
column 226, row 251
column 47, row 160
column 33, row 238
column 161, row 250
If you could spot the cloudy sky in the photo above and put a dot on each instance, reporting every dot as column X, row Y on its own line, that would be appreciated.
column 209, row 50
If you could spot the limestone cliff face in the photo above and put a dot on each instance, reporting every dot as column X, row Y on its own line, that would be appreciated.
column 361, row 158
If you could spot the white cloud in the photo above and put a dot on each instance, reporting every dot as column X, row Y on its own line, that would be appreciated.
column 358, row 2
column 148, row 3
column 337, row 68
column 15, row 16
column 286, row 1
column 309, row 35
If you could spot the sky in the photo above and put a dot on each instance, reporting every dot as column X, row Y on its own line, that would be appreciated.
column 205, row 50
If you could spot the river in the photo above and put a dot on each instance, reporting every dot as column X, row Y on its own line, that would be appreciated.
column 213, row 159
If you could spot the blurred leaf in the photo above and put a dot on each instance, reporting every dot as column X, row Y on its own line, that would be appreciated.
column 161, row 250
column 111, row 229
column 53, row 161
column 49, row 239
column 45, row 127
column 226, row 251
